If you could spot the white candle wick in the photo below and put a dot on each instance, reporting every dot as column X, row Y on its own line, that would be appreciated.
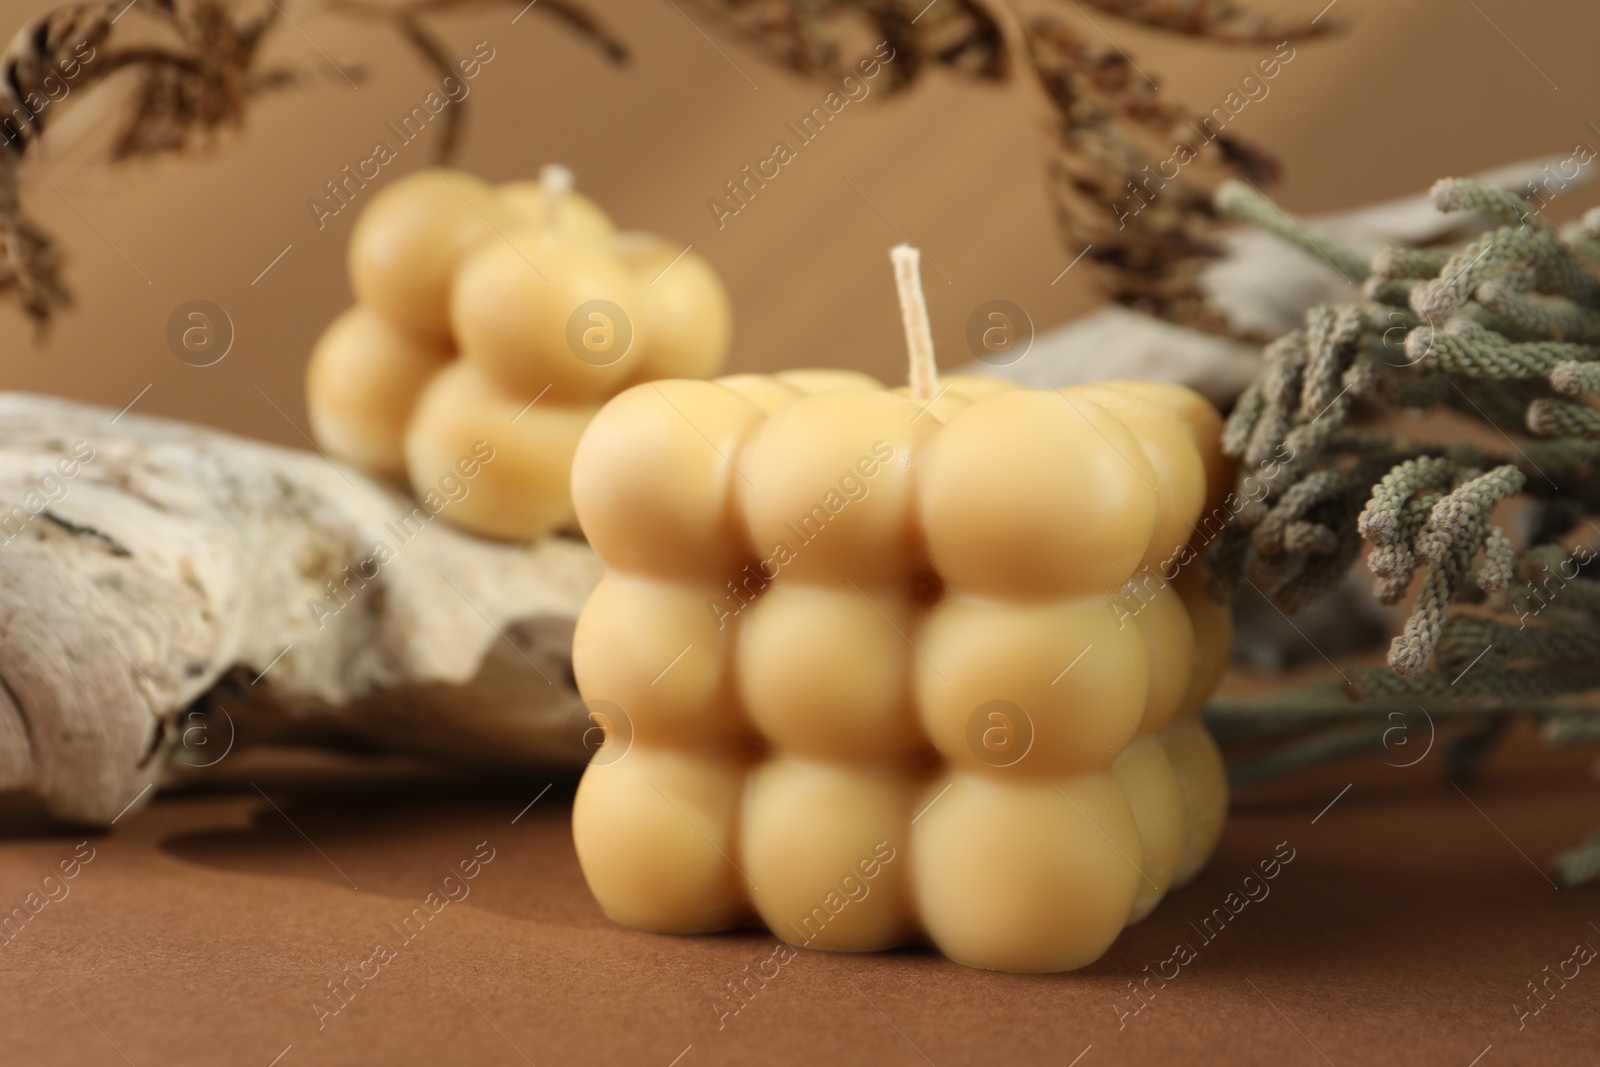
column 557, row 182
column 923, row 375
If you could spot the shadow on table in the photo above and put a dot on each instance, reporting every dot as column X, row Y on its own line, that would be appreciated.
column 396, row 835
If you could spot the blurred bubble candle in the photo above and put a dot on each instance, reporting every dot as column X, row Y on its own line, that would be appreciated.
column 885, row 666
column 490, row 323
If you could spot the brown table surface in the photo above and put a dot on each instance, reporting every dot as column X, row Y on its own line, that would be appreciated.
column 208, row 924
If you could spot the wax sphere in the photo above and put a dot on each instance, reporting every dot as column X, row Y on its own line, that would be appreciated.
column 827, row 480
column 825, row 847
column 691, row 320
column 1204, row 423
column 1026, row 876
column 762, row 390
column 651, row 648
column 1035, row 494
column 519, row 487
column 942, row 408
column 575, row 215
column 956, row 392
column 361, row 385
column 1180, row 476
column 653, row 479
column 826, row 380
column 654, row 832
column 1155, row 609
column 410, row 238
column 539, row 312
column 1203, row 782
column 976, row 386
column 1213, row 631
column 824, row 671
column 1029, row 688
column 1147, row 776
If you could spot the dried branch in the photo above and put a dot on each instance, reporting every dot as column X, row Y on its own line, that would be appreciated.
column 195, row 83
column 1219, row 20
column 1499, row 331
column 1148, row 233
column 1106, row 129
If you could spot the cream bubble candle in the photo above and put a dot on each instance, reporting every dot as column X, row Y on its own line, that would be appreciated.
column 492, row 321
column 885, row 666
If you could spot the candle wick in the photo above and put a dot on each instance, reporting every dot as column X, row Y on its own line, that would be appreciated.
column 557, row 183
column 923, row 373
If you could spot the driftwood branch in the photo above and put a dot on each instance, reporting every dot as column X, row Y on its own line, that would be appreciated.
column 154, row 575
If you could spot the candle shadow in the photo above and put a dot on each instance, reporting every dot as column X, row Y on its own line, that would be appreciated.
column 400, row 835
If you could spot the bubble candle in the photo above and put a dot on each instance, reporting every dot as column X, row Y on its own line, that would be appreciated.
column 883, row 666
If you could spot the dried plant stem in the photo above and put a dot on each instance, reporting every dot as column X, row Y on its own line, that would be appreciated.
column 1500, row 330
column 1241, row 201
column 1336, row 743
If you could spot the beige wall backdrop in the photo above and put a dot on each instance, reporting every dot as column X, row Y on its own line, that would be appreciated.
column 1417, row 89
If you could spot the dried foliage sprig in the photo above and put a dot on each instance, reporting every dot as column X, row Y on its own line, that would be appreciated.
column 1106, row 128
column 1215, row 19
column 1484, row 331
column 197, row 64
column 1109, row 133
column 1502, row 623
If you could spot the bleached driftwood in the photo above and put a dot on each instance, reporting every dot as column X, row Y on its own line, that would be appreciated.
column 164, row 585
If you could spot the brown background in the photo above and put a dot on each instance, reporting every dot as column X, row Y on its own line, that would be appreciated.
column 1403, row 932
column 1417, row 90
